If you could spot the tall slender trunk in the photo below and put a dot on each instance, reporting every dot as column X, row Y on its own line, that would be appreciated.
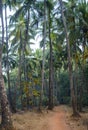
column 73, row 101
column 6, row 121
column 7, row 65
column 25, row 68
column 19, row 71
column 83, row 78
column 72, row 30
column 43, row 57
column 50, row 69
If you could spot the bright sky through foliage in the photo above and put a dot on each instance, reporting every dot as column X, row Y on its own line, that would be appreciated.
column 37, row 39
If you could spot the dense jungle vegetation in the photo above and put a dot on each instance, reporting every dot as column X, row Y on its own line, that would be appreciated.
column 54, row 73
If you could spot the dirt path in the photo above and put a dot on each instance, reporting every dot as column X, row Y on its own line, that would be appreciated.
column 58, row 120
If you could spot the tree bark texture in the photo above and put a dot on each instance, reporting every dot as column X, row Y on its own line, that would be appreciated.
column 73, row 100
column 50, row 70
column 6, row 121
column 43, row 57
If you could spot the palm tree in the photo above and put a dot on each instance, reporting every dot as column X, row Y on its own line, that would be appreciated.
column 73, row 101
column 83, row 36
column 17, row 45
column 43, row 57
column 12, row 64
column 6, row 121
column 7, row 62
column 51, row 83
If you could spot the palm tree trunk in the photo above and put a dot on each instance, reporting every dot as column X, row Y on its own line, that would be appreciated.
column 72, row 29
column 73, row 101
column 25, row 68
column 8, row 74
column 50, row 70
column 43, row 57
column 50, row 80
column 19, row 71
column 83, row 78
column 6, row 121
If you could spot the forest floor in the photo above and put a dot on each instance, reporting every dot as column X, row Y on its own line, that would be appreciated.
column 58, row 119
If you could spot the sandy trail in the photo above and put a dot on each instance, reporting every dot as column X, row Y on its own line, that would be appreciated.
column 58, row 120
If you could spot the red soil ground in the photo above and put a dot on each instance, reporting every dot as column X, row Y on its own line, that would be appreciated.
column 58, row 119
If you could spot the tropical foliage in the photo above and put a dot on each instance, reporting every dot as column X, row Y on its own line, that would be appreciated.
column 38, row 77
